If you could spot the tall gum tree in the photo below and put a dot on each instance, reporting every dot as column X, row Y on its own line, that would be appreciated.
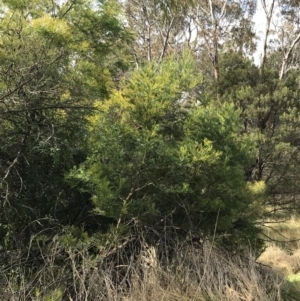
column 165, row 27
column 281, row 34
column 160, row 27
column 218, row 21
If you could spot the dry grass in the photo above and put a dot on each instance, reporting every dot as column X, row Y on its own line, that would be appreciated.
column 286, row 234
column 199, row 272
column 280, row 260
column 209, row 274
column 283, row 253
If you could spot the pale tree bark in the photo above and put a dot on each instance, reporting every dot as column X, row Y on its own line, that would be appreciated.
column 284, row 67
column 290, row 35
column 269, row 14
column 216, row 34
column 287, row 37
column 148, row 24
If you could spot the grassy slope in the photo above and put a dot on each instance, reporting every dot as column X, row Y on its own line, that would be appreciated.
column 283, row 254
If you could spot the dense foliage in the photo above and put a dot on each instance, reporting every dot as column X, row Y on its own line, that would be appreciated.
column 160, row 157
column 51, row 73
column 133, row 124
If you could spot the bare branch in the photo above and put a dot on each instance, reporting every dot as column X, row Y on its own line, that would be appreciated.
column 166, row 39
column 284, row 68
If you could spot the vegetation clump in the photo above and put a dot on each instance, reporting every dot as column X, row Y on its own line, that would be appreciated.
column 144, row 154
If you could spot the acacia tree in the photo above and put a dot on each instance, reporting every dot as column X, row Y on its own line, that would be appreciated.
column 159, row 160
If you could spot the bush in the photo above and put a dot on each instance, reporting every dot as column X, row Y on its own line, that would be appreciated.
column 160, row 157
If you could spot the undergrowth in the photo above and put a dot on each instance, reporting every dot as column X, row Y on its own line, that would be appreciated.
column 131, row 269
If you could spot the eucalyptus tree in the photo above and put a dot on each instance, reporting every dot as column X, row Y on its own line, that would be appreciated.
column 205, row 27
column 281, row 34
column 161, row 27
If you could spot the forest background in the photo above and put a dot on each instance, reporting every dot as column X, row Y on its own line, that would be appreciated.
column 145, row 154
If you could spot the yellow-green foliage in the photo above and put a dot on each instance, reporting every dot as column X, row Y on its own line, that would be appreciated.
column 257, row 188
column 258, row 192
column 55, row 295
column 294, row 278
column 152, row 155
column 51, row 27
